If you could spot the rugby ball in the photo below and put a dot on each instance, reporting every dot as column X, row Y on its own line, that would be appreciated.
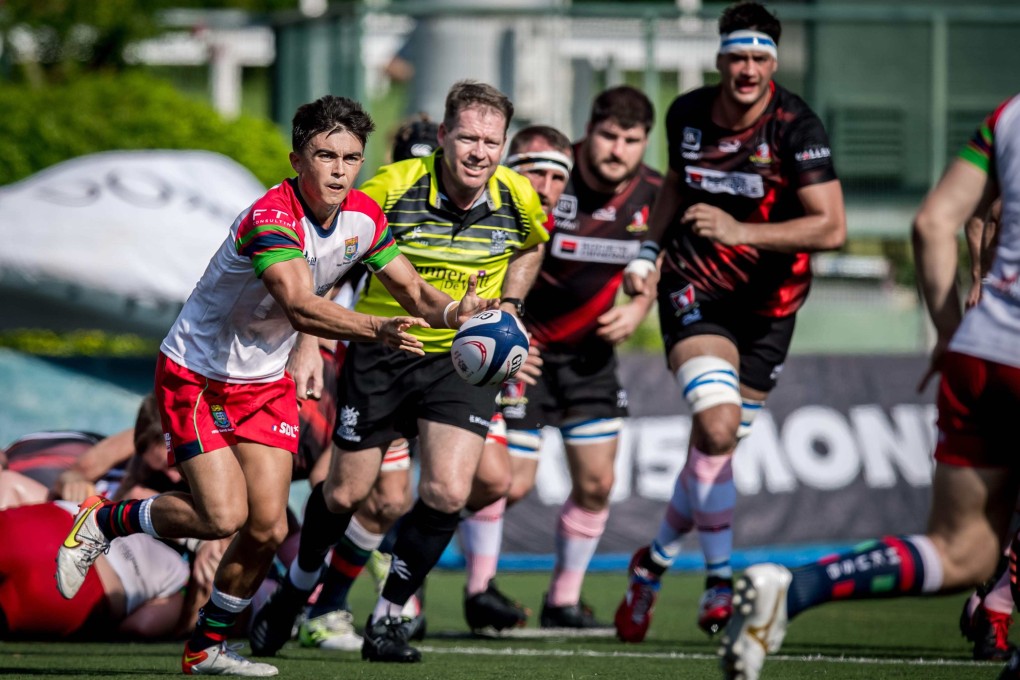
column 489, row 348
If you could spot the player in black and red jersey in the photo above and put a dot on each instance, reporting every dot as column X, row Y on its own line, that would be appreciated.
column 749, row 194
column 573, row 318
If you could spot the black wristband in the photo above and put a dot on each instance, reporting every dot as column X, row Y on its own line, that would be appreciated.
column 516, row 302
column 649, row 251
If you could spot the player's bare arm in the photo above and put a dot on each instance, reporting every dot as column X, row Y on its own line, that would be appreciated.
column 290, row 284
column 620, row 322
column 823, row 227
column 304, row 364
column 667, row 203
column 955, row 198
column 521, row 273
column 77, row 483
column 414, row 294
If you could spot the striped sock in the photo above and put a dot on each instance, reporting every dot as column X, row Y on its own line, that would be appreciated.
column 120, row 519
column 350, row 556
column 888, row 567
column 216, row 619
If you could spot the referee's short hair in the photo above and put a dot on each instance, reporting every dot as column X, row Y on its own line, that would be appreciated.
column 467, row 93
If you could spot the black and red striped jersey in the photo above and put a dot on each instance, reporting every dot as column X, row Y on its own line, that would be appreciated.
column 596, row 235
column 753, row 174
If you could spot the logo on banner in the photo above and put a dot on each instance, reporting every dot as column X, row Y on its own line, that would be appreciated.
column 350, row 248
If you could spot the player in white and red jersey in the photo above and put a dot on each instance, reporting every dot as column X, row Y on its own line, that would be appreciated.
column 229, row 409
column 975, row 484
column 750, row 192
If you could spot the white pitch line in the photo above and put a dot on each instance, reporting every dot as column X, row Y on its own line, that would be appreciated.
column 810, row 658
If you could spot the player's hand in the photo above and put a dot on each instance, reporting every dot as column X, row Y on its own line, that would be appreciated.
column 207, row 561
column 973, row 296
column 393, row 333
column 72, row 486
column 471, row 304
column 531, row 369
column 305, row 365
column 714, row 223
column 619, row 323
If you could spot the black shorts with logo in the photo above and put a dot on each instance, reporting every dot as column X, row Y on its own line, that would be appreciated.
column 762, row 341
column 577, row 382
column 384, row 392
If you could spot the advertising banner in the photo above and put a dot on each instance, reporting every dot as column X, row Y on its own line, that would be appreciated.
column 842, row 451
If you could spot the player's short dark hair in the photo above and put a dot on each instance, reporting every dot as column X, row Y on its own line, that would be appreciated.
column 148, row 428
column 556, row 139
column 749, row 15
column 627, row 105
column 416, row 137
column 467, row 93
column 329, row 114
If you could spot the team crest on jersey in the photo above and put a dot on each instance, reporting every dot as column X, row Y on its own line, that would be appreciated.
column 219, row 416
column 350, row 248
column 497, row 246
column 691, row 139
column 348, row 419
column 512, row 400
column 639, row 222
column 762, row 154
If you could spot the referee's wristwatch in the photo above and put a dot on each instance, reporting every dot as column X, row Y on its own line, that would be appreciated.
column 517, row 303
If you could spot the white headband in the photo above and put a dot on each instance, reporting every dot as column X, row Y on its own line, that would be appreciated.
column 541, row 160
column 743, row 41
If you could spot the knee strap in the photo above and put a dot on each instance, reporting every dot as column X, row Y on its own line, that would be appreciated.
column 708, row 381
column 591, row 431
column 524, row 443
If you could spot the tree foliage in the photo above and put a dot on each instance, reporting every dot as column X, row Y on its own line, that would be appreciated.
column 43, row 126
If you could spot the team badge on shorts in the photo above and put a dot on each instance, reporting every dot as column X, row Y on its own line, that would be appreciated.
column 685, row 304
column 219, row 417
column 350, row 248
column 348, row 419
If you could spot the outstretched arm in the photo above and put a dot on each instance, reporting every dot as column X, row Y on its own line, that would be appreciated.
column 290, row 283
column 417, row 296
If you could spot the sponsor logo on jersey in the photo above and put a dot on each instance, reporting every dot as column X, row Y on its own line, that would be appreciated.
column 639, row 221
column 566, row 208
column 348, row 419
column 497, row 244
column 729, row 145
column 312, row 260
column 718, row 182
column 813, row 153
column 605, row 214
column 691, row 155
column 691, row 139
column 590, row 249
column 350, row 248
column 219, row 416
column 416, row 233
column 762, row 154
column 690, row 317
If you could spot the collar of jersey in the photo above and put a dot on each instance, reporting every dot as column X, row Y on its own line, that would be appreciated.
column 319, row 229
column 436, row 197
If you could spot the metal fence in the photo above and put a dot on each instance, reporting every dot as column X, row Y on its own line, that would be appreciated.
column 899, row 87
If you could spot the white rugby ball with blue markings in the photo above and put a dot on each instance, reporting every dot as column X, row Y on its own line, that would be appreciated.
column 489, row 348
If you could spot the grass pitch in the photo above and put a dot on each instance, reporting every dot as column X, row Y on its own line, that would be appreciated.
column 906, row 638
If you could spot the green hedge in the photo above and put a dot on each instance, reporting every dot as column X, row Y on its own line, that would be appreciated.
column 44, row 126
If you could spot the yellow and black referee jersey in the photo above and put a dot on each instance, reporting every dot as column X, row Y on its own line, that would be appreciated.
column 446, row 246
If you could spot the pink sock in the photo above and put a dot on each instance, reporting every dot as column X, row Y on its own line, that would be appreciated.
column 481, row 535
column 999, row 599
column 577, row 537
